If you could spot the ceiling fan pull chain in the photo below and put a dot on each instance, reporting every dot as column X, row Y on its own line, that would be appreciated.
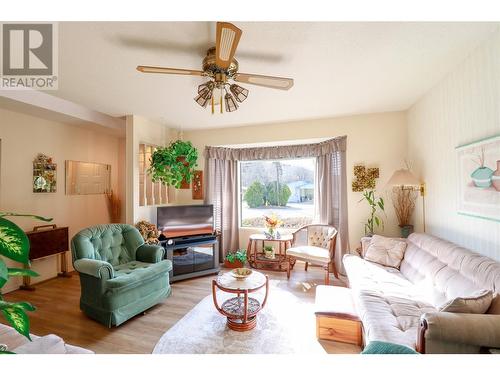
column 221, row 106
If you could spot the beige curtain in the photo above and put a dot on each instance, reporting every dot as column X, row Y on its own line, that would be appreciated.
column 221, row 191
column 222, row 184
column 331, row 197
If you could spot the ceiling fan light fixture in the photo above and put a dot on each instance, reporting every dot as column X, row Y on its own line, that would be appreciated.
column 204, row 97
column 231, row 104
column 206, row 86
column 240, row 93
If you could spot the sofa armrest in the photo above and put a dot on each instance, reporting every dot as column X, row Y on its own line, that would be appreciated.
column 150, row 253
column 480, row 330
column 96, row 268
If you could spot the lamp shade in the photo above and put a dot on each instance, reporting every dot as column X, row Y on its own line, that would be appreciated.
column 231, row 104
column 402, row 177
column 239, row 92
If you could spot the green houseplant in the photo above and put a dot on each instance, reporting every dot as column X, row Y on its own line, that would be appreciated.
column 14, row 244
column 375, row 204
column 174, row 164
column 235, row 259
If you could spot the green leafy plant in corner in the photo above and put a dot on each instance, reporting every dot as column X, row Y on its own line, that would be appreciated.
column 172, row 164
column 239, row 255
column 14, row 244
column 375, row 204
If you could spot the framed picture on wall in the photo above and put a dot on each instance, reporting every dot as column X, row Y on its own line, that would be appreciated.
column 479, row 179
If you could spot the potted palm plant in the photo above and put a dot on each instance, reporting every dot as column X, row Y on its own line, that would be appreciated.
column 376, row 204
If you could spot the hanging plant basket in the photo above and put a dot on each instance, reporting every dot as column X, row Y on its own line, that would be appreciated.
column 174, row 165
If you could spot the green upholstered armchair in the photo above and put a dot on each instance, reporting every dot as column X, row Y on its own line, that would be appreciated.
column 120, row 275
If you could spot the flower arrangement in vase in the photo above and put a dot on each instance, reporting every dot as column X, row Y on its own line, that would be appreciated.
column 271, row 223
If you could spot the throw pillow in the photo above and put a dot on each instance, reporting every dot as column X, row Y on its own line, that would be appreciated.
column 50, row 344
column 478, row 303
column 382, row 347
column 386, row 251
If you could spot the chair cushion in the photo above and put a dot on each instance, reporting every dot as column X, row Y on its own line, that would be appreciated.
column 132, row 274
column 386, row 251
column 310, row 253
column 319, row 235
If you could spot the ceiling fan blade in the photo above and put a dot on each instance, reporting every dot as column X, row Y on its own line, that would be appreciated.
column 158, row 69
column 266, row 81
column 226, row 40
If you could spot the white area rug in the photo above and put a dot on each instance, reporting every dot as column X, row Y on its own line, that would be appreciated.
column 286, row 325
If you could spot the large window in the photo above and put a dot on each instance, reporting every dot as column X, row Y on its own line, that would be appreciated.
column 281, row 187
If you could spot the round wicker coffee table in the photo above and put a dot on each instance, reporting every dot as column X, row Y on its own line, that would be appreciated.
column 241, row 311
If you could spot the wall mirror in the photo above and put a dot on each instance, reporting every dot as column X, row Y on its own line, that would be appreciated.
column 44, row 174
column 87, row 178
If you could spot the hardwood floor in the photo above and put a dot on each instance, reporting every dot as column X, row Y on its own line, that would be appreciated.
column 58, row 312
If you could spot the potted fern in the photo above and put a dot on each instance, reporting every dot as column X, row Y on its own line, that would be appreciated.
column 175, row 164
column 14, row 244
column 235, row 259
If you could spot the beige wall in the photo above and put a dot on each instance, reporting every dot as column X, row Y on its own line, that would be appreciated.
column 376, row 140
column 463, row 108
column 141, row 130
column 22, row 138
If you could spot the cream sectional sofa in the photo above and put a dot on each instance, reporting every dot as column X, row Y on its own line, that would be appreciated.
column 50, row 344
column 399, row 305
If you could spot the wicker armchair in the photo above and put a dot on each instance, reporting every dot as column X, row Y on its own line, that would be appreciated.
column 315, row 244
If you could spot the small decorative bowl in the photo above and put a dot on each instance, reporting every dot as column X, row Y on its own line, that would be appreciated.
column 241, row 273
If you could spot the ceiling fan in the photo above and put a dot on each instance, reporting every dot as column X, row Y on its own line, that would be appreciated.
column 220, row 66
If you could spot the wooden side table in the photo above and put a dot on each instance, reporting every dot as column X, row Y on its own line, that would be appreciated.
column 257, row 259
column 241, row 311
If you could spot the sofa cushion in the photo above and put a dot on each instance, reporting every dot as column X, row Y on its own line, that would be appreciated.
column 375, row 277
column 314, row 253
column 385, row 251
column 50, row 344
column 390, row 318
column 454, row 270
column 132, row 274
column 477, row 303
column 388, row 304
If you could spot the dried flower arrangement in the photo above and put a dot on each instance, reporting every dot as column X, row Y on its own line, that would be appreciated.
column 403, row 200
column 148, row 231
column 114, row 206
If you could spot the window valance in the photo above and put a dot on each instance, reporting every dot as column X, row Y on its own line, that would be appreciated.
column 330, row 146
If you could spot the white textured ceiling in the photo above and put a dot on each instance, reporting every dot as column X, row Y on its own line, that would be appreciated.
column 338, row 68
